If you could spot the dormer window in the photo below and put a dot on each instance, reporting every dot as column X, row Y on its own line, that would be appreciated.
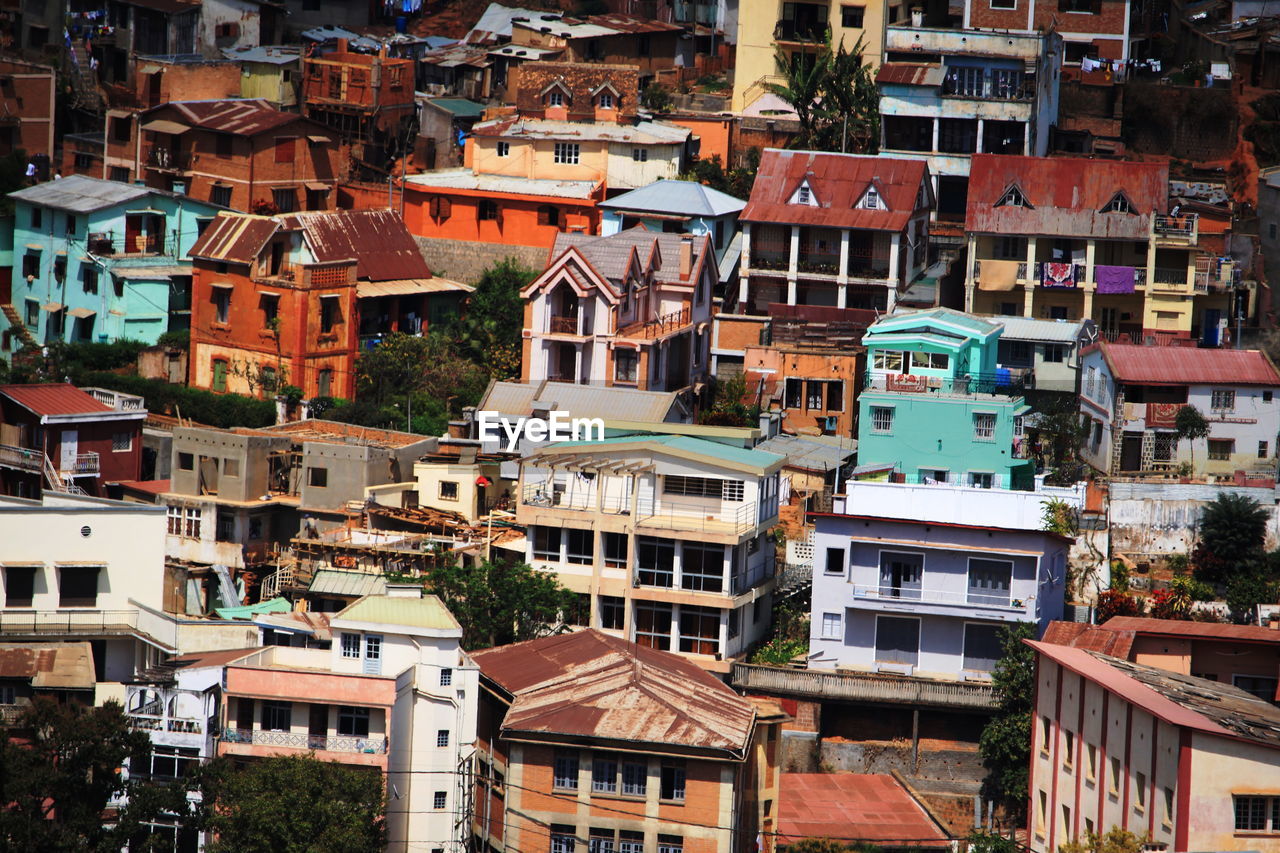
column 1013, row 197
column 555, row 99
column 871, row 200
column 1119, row 204
column 606, row 101
column 804, row 195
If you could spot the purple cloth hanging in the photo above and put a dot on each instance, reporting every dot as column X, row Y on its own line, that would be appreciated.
column 1114, row 279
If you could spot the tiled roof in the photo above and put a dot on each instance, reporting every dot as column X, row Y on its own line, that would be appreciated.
column 589, row 685
column 839, row 182
column 378, row 239
column 611, row 255
column 1066, row 196
column 683, row 198
column 1142, row 365
column 872, row 807
column 55, row 398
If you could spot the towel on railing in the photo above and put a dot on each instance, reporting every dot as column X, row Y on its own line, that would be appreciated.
column 1114, row 279
column 1058, row 275
column 998, row 275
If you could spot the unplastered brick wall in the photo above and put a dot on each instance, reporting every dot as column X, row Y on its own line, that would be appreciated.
column 463, row 261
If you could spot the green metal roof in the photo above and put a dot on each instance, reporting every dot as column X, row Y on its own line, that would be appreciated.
column 426, row 612
column 459, row 107
column 248, row 611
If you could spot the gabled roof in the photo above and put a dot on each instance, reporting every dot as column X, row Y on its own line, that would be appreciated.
column 1196, row 630
column 82, row 194
column 1034, row 329
column 495, row 22
column 677, row 198
column 611, row 255
column 946, row 321
column 1092, row 638
column 243, row 117
column 589, row 685
column 427, row 612
column 838, row 181
column 873, row 807
column 54, row 398
column 378, row 239
column 234, row 237
column 1066, row 195
column 519, row 399
column 1142, row 365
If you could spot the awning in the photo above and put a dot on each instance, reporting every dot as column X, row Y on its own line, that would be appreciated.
column 222, row 285
column 81, row 313
column 35, row 246
column 319, row 140
column 144, row 211
column 316, row 186
column 269, row 292
column 221, row 184
column 164, row 126
column 52, row 306
column 409, row 287
column 330, row 295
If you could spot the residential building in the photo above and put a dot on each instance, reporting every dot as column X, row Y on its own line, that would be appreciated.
column 396, row 693
column 1130, row 396
column 587, row 738
column 311, row 20
column 630, row 309
column 243, row 154
column 663, row 537
column 875, row 807
column 836, row 230
column 100, row 261
column 57, row 436
column 795, row 29
column 815, row 464
column 62, row 672
column 1269, row 219
column 456, row 478
column 588, row 91
column 919, row 579
column 1098, row 30
column 206, row 27
column 614, row 39
column 367, row 99
column 1183, row 761
column 156, row 80
column 83, row 154
column 272, row 73
column 679, row 207
column 1066, row 238
column 1043, row 354
column 936, row 408
column 461, row 70
column 1243, row 656
column 26, row 108
column 288, row 300
column 443, row 124
column 946, row 94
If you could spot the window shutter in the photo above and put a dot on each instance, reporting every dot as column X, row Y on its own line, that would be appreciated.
column 544, row 215
column 446, row 208
column 435, row 206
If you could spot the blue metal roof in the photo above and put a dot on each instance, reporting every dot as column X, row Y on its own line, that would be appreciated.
column 683, row 198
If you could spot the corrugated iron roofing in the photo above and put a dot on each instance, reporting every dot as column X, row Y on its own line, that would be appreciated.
column 426, row 612
column 589, row 685
column 868, row 807
column 1033, row 329
column 81, row 194
column 910, row 73
column 838, row 182
column 234, row 237
column 378, row 239
column 583, row 401
column 54, row 398
column 467, row 180
column 335, row 582
column 684, row 198
column 1091, row 638
column 243, row 117
column 1204, row 630
column 1066, row 196
column 1141, row 365
column 632, row 24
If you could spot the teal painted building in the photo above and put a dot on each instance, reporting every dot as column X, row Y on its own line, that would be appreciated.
column 98, row 260
column 935, row 406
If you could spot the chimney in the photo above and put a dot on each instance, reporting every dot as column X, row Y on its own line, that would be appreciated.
column 686, row 255
column 341, row 46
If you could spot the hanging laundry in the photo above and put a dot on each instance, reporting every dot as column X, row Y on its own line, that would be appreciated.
column 1058, row 275
column 1114, row 279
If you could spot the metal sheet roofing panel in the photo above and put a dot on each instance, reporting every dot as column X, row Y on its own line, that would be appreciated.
column 458, row 107
column 1199, row 630
column 1032, row 329
column 80, row 194
column 801, row 452
column 495, row 22
column 872, row 807
column 838, row 182
column 1092, row 638
column 910, row 73
column 681, row 198
column 1065, row 196
column 55, row 398
column 334, row 582
column 379, row 241
column 234, row 237
column 426, row 612
column 243, row 117
column 466, row 180
column 1142, row 365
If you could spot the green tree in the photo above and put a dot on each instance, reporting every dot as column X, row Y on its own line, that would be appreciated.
column 60, row 766
column 296, row 804
column 729, row 408
column 404, row 366
column 1246, row 589
column 1190, row 425
column 656, row 98
column 1233, row 530
column 1115, row 840
column 834, row 95
column 500, row 602
column 1061, row 436
column 1005, row 744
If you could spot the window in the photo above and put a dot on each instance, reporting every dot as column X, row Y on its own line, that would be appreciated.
column 981, row 479
column 1045, row 736
column 317, row 477
column 330, row 313
column 31, row 265
column 90, row 279
column 1258, row 685
column 1115, row 776
column 1042, row 813
column 1262, row 450
column 448, row 490
column 19, row 585
column 269, row 303
column 488, row 210
column 984, row 426
column 1004, row 4
column 33, row 313
column 504, row 149
column 220, row 194
column 1167, row 816
column 735, row 623
column 277, row 716
column 604, row 774
column 1091, row 766
column 562, row 838
column 546, row 543
column 1055, row 353
column 831, row 627
column 580, row 547
column 565, row 776
column 615, row 550
column 703, row 487
column 1223, row 400
column 653, row 625
column 567, row 153
column 852, row 16
column 600, row 841
column 900, row 574
column 1068, row 750
column 351, row 646
column 1119, row 204
column 625, row 362
column 1139, row 791
column 222, row 145
column 897, row 640
column 191, row 522
column 835, row 561
column 441, row 800
column 702, row 567
column 221, row 304
column 555, row 99
column 442, row 737
column 888, row 360
column 1257, row 814
column 882, row 419
column 640, row 155
column 353, row 722
column 981, row 647
column 78, row 586
column 37, row 218
column 121, row 442
column 1083, row 6
column 606, row 101
column 1014, row 197
column 699, row 630
column 670, row 844
column 673, row 781
column 285, row 199
column 1220, row 449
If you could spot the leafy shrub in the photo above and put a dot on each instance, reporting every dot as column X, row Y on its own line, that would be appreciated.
column 204, row 407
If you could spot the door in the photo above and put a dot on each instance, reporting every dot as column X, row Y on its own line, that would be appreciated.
column 1212, row 319
column 70, row 443
column 1131, row 452
column 372, row 654
column 318, row 726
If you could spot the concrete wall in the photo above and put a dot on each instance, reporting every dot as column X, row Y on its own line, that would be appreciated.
column 1160, row 519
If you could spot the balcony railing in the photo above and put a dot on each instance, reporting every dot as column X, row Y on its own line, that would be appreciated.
column 729, row 517
column 1007, row 383
column 1182, row 228
column 886, row 592
column 824, row 263
column 863, row 687
column 160, row 723
column 117, row 400
column 815, row 31
column 110, row 244
column 868, row 267
column 563, row 326
column 21, row 458
column 767, row 259
column 90, row 621
column 658, row 326
column 371, row 745
column 167, row 159
column 84, row 465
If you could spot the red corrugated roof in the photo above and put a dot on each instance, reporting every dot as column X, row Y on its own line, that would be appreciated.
column 55, row 398
column 1202, row 630
column 910, row 73
column 867, row 807
column 378, row 239
column 243, row 117
column 838, row 182
column 1066, row 195
column 1093, row 638
column 1141, row 365
column 234, row 237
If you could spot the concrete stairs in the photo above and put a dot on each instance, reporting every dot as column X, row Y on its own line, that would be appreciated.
column 84, row 81
column 15, row 323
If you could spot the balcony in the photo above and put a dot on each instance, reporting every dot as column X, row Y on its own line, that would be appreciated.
column 872, row 267
column 157, row 722
column 167, row 159
column 21, row 459
column 108, row 244
column 369, row 745
column 84, row 465
column 117, row 400
column 1171, row 278
column 863, row 687
column 141, row 621
column 803, row 30
column 657, row 327
column 1182, row 229
column 1005, row 384
column 563, row 325
column 730, row 517
column 952, row 598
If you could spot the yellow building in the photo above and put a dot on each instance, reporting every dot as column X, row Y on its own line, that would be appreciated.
column 269, row 72
column 764, row 24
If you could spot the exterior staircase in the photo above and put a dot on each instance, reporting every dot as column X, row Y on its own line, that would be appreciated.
column 84, row 81
column 19, row 328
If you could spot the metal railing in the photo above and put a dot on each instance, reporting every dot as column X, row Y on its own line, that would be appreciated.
column 1182, row 228
column 563, row 326
column 1006, row 384
column 161, row 723
column 658, row 326
column 886, row 592
column 873, row 267
column 85, row 464
column 371, row 744
column 1176, row 276
column 824, row 263
column 730, row 515
column 109, row 244
column 21, row 458
column 160, row 157
column 801, row 31
column 864, row 687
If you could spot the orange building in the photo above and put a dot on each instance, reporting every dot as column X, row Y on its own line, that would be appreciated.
column 288, row 300
column 26, row 97
column 587, row 740
column 368, row 98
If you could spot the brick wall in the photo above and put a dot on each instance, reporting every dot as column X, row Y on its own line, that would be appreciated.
column 27, row 94
column 465, row 262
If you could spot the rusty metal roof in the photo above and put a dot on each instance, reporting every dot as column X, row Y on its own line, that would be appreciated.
column 632, row 23
column 838, row 182
column 49, row 665
column 378, row 239
column 910, row 73
column 1066, row 195
column 234, row 237
column 243, row 117
column 864, row 806
column 54, row 398
column 590, row 685
column 1143, row 365
column 1091, row 638
column 1193, row 630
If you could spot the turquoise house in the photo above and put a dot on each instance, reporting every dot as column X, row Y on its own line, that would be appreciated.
column 935, row 408
column 98, row 260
